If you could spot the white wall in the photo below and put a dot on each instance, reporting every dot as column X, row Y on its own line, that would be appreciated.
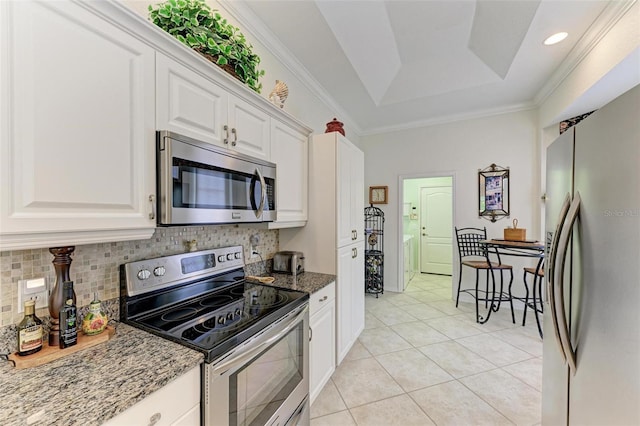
column 460, row 149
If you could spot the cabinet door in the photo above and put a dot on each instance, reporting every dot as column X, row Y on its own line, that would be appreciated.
column 77, row 136
column 357, row 192
column 290, row 152
column 322, row 361
column 350, row 188
column 349, row 297
column 345, row 227
column 250, row 129
column 177, row 403
column 357, row 291
column 189, row 104
column 344, row 304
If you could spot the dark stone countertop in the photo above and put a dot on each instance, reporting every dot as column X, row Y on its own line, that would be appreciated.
column 309, row 282
column 95, row 384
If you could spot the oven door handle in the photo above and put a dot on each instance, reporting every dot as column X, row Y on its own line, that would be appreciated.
column 240, row 355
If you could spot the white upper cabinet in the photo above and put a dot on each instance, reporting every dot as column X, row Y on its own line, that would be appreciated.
column 77, row 128
column 290, row 151
column 195, row 106
column 188, row 103
column 250, row 129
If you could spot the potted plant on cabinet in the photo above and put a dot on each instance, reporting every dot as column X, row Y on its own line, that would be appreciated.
column 199, row 27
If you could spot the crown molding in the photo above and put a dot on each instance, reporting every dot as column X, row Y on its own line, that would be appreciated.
column 445, row 119
column 609, row 17
column 250, row 22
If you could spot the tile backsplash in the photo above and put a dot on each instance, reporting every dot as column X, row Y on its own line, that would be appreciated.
column 95, row 267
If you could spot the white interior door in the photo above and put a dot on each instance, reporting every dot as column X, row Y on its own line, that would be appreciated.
column 435, row 230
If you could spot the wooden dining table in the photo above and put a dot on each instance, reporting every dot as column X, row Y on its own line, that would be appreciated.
column 501, row 247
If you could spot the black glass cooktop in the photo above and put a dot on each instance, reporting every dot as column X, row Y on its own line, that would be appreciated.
column 218, row 319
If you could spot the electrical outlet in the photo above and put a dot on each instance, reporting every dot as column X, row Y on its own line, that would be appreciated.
column 36, row 289
column 254, row 240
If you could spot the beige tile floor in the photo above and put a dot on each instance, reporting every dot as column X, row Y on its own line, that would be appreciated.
column 422, row 361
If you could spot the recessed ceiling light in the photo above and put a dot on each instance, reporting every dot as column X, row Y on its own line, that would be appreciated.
column 556, row 38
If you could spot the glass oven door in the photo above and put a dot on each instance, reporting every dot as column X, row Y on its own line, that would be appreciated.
column 263, row 382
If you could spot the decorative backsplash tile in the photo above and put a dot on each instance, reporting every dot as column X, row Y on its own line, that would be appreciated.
column 95, row 267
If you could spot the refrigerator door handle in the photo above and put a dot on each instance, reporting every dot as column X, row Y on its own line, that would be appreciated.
column 563, row 245
column 550, row 267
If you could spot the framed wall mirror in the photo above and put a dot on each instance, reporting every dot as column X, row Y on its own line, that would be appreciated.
column 493, row 192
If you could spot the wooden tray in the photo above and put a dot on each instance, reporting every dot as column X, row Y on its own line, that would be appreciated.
column 51, row 353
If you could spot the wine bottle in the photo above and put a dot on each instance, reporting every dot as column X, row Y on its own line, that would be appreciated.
column 29, row 330
column 68, row 317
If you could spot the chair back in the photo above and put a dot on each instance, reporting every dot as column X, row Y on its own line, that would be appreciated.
column 469, row 242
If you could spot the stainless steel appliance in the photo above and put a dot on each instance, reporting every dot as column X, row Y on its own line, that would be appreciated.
column 288, row 262
column 255, row 338
column 591, row 358
column 201, row 183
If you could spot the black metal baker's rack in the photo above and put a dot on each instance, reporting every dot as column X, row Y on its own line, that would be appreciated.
column 374, row 250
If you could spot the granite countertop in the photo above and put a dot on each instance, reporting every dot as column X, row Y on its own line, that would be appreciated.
column 309, row 282
column 95, row 384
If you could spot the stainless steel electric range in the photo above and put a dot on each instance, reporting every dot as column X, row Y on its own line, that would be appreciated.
column 254, row 337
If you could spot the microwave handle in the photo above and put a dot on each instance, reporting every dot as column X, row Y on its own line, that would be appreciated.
column 263, row 196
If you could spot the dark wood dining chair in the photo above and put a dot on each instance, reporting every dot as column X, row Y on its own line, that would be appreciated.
column 474, row 255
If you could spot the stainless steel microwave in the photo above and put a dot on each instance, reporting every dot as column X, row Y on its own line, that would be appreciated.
column 199, row 183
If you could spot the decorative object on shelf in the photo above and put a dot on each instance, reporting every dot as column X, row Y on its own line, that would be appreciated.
column 493, row 192
column 374, row 250
column 61, row 263
column 335, row 126
column 279, row 94
column 515, row 233
column 378, row 194
column 204, row 30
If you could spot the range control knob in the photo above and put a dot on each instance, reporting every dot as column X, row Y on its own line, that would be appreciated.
column 222, row 320
column 159, row 271
column 230, row 316
column 238, row 312
column 143, row 274
column 237, row 255
column 221, row 258
column 230, row 256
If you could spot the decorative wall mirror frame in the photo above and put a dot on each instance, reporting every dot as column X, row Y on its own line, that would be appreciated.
column 493, row 192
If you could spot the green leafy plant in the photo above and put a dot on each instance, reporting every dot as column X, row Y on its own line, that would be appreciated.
column 199, row 27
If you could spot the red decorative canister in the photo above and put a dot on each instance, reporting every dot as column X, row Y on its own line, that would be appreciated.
column 335, row 126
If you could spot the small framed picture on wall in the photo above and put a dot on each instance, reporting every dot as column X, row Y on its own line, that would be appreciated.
column 378, row 194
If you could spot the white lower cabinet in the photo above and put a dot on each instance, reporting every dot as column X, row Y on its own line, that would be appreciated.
column 322, row 345
column 176, row 404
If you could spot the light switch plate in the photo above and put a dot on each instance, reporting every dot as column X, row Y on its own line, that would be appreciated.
column 35, row 288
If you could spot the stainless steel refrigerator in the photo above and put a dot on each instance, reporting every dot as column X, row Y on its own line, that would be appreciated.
column 591, row 358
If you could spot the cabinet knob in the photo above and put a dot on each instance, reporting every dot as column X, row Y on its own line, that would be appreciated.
column 154, row 419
